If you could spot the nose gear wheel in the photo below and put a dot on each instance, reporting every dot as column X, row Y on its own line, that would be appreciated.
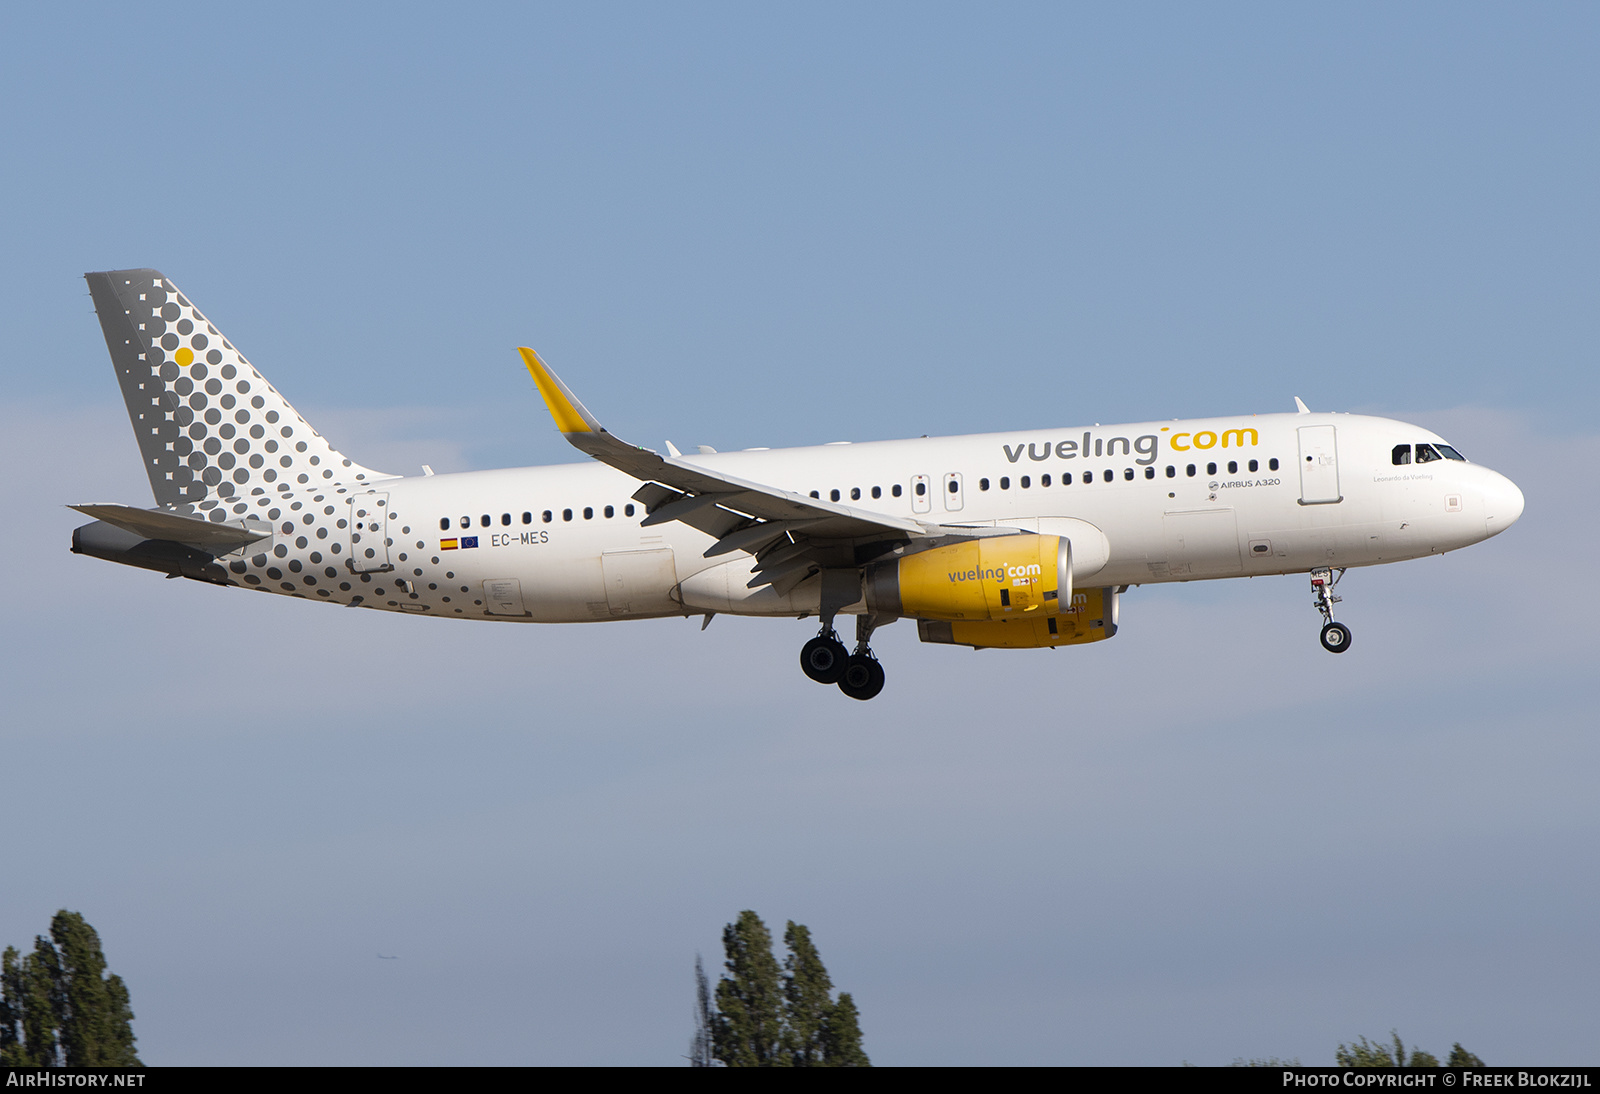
column 1335, row 636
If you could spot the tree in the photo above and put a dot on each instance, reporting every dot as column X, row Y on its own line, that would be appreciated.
column 765, row 1022
column 806, row 997
column 700, row 1046
column 1460, row 1057
column 57, row 1006
column 749, row 1025
column 1361, row 1054
column 841, row 1036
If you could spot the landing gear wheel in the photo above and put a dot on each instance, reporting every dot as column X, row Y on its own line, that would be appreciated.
column 1335, row 637
column 823, row 658
column 863, row 676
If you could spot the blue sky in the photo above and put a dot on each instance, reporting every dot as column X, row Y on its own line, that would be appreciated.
column 733, row 226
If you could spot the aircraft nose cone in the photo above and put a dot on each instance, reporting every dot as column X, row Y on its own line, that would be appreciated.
column 1502, row 504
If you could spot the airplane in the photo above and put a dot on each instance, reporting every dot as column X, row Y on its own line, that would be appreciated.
column 1016, row 540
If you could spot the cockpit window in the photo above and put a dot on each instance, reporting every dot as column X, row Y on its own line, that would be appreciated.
column 1450, row 453
column 1402, row 454
column 1427, row 454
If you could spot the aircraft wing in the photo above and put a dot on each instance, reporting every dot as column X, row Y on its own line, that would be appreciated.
column 215, row 537
column 793, row 535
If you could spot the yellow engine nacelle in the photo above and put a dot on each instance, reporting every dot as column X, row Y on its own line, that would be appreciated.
column 997, row 577
column 1091, row 616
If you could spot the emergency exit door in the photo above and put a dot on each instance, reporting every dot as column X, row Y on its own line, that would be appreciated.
column 1319, row 465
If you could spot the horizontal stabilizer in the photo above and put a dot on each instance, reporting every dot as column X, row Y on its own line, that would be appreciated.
column 217, row 537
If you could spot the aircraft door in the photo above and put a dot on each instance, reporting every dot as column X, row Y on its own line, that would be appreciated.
column 921, row 502
column 952, row 492
column 1319, row 466
column 369, row 533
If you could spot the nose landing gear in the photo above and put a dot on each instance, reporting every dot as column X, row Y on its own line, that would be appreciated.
column 1335, row 636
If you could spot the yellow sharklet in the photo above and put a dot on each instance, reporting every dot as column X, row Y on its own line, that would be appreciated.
column 569, row 417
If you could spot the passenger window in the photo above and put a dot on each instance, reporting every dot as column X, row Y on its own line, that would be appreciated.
column 547, row 516
column 1172, row 472
column 505, row 518
column 484, row 520
column 1127, row 473
column 983, row 484
column 855, row 493
column 566, row 514
column 1255, row 465
column 1025, row 482
column 527, row 518
column 610, row 512
column 466, row 522
column 444, row 524
column 627, row 510
column 922, row 488
column 1233, row 467
column 1005, row 483
column 833, row 495
column 1401, row 455
column 1190, row 471
column 1426, row 454
column 588, row 513
column 1211, row 469
column 1088, row 477
column 1109, row 476
column 816, row 495
column 1149, row 472
column 1272, row 464
column 895, row 490
column 1044, row 480
column 877, row 491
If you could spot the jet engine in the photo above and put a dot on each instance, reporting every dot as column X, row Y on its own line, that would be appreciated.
column 997, row 577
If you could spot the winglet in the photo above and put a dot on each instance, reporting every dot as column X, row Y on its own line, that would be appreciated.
column 571, row 416
column 1299, row 407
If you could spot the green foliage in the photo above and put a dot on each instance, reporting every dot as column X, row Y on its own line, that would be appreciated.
column 1361, row 1054
column 765, row 1019
column 806, row 997
column 1460, row 1057
column 749, row 1026
column 57, row 1006
column 841, row 1036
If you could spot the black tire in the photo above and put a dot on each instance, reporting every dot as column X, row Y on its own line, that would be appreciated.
column 823, row 659
column 863, row 677
column 1336, row 638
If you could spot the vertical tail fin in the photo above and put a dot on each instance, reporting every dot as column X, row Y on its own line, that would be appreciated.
column 210, row 429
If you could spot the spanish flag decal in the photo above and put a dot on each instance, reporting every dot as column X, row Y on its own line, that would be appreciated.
column 447, row 545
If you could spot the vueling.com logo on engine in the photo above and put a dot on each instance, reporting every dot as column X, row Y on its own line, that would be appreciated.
column 1026, row 574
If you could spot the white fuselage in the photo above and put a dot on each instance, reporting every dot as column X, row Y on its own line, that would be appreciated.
column 1175, row 501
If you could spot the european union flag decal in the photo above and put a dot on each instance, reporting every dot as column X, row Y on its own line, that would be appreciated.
column 468, row 541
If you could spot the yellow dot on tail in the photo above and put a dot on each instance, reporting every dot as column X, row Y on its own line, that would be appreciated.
column 185, row 357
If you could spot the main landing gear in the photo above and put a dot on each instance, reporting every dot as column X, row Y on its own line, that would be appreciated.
column 1335, row 636
column 858, row 674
